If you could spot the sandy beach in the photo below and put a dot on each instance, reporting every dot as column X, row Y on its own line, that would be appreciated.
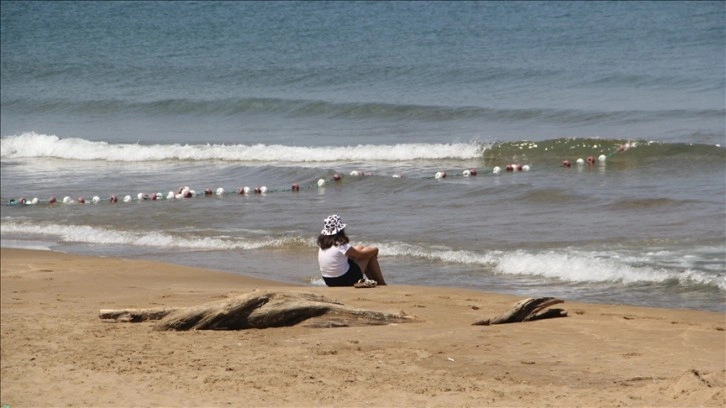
column 56, row 352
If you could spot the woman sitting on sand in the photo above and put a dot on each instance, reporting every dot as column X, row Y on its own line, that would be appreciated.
column 342, row 264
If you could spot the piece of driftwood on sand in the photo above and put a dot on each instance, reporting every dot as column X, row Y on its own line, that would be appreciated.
column 527, row 310
column 258, row 309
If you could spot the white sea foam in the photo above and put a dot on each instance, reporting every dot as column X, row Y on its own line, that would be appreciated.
column 436, row 254
column 26, row 244
column 566, row 265
column 575, row 267
column 99, row 235
column 582, row 266
column 34, row 145
column 317, row 281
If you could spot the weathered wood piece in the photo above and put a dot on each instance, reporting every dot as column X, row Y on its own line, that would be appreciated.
column 259, row 309
column 527, row 310
column 136, row 315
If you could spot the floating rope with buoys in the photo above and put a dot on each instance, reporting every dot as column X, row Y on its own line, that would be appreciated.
column 602, row 158
column 187, row 192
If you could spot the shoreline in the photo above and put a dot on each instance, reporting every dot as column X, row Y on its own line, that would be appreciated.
column 56, row 351
column 257, row 265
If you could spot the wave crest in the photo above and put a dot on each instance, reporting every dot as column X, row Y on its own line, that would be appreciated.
column 33, row 145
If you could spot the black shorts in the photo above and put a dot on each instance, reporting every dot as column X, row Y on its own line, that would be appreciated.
column 349, row 278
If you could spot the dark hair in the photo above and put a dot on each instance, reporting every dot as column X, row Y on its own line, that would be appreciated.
column 327, row 241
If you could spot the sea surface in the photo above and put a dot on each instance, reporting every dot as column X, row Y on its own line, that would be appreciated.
column 360, row 109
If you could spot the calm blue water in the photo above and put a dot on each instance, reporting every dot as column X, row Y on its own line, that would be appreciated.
column 127, row 98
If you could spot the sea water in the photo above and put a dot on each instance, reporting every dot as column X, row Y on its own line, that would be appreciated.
column 376, row 101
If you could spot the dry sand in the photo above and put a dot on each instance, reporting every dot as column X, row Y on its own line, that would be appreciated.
column 57, row 352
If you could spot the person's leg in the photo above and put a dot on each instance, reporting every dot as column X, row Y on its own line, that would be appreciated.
column 362, row 261
column 370, row 266
column 374, row 271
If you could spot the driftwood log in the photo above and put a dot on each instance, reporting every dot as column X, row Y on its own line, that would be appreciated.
column 527, row 310
column 258, row 309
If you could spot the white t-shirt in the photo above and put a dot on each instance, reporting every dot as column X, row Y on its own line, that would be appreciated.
column 333, row 261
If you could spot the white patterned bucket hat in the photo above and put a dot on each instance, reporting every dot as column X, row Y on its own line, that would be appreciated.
column 333, row 225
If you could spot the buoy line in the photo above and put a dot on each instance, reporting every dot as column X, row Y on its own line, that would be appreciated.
column 186, row 192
